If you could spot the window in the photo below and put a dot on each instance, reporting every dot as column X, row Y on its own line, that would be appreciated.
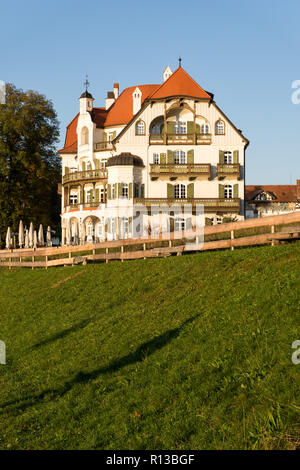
column 227, row 157
column 125, row 191
column 73, row 198
column 179, row 127
column 140, row 128
column 205, row 129
column 84, row 136
column 220, row 127
column 179, row 224
column 156, row 129
column 89, row 196
column 179, row 191
column 228, row 191
column 137, row 190
column 123, row 227
column 179, row 156
column 156, row 159
column 102, row 164
column 102, row 195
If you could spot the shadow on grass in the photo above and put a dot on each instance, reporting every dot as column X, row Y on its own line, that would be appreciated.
column 63, row 333
column 141, row 353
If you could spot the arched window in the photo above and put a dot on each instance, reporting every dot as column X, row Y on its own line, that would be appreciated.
column 156, row 129
column 179, row 191
column 227, row 157
column 228, row 191
column 179, row 156
column 205, row 129
column 220, row 127
column 140, row 128
column 84, row 136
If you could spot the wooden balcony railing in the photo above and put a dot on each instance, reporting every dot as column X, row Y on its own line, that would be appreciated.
column 229, row 169
column 180, row 139
column 179, row 169
column 85, row 175
column 107, row 145
column 210, row 204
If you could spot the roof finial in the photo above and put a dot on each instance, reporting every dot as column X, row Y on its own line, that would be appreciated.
column 179, row 60
column 86, row 83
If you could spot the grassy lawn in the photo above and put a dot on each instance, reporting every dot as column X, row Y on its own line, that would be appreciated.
column 188, row 352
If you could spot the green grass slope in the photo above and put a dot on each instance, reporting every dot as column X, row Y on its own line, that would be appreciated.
column 189, row 352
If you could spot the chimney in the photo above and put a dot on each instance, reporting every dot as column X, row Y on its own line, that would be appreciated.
column 298, row 190
column 137, row 100
column 110, row 99
column 167, row 73
column 116, row 90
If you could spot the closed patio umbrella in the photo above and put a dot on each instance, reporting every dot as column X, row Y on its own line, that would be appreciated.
column 26, row 238
column 8, row 239
column 21, row 234
column 76, row 234
column 82, row 233
column 68, row 233
column 41, row 236
column 31, row 235
column 35, row 239
column 48, row 236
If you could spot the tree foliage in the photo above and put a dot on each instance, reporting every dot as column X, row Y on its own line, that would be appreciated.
column 29, row 166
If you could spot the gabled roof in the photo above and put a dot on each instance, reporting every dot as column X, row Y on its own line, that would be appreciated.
column 180, row 83
column 71, row 137
column 121, row 112
column 281, row 192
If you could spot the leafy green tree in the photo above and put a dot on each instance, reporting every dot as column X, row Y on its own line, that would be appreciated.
column 30, row 169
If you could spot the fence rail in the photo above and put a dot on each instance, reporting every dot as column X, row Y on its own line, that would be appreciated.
column 143, row 249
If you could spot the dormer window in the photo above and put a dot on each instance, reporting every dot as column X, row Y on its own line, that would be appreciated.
column 220, row 127
column 140, row 128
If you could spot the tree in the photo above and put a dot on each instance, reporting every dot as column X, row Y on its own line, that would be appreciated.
column 30, row 169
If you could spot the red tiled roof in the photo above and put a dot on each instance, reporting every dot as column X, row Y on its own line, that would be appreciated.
column 71, row 137
column 282, row 193
column 121, row 112
column 182, row 84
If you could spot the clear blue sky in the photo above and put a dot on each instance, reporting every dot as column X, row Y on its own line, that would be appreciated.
column 245, row 52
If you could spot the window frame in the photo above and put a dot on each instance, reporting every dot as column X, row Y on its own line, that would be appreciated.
column 180, row 190
column 179, row 155
column 125, row 191
column 228, row 189
column 219, row 121
column 140, row 122
column 156, row 155
column 228, row 153
column 180, row 126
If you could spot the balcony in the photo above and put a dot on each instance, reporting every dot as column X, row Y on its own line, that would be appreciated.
column 100, row 146
column 180, row 169
column 210, row 204
column 180, row 139
column 87, row 175
column 229, row 170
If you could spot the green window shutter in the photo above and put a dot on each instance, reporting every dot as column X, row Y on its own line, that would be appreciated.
column 91, row 195
column 170, row 127
column 67, row 170
column 114, row 134
column 97, row 194
column 190, row 190
column 190, row 127
column 170, row 191
column 104, row 136
column 83, row 166
column 170, row 156
column 130, row 190
column 190, row 156
column 162, row 129
column 163, row 159
column 221, row 191
column 198, row 128
column 119, row 190
column 221, row 156
column 115, row 189
column 171, row 224
column 235, row 190
column 236, row 156
column 142, row 190
column 97, row 164
column 108, row 192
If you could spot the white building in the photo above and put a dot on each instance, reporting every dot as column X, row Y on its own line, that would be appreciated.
column 152, row 144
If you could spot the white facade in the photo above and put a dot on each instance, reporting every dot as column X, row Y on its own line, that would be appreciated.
column 190, row 151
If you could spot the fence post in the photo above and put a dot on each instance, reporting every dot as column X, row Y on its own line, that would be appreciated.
column 122, row 251
column 232, row 238
column 46, row 261
column 32, row 259
column 144, row 248
column 106, row 251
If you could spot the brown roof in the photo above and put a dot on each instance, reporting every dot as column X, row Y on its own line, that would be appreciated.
column 282, row 192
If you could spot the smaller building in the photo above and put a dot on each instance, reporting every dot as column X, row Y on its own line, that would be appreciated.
column 261, row 201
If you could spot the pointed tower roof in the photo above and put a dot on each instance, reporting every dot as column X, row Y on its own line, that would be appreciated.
column 180, row 83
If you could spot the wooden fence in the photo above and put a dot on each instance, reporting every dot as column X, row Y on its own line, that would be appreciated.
column 280, row 227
